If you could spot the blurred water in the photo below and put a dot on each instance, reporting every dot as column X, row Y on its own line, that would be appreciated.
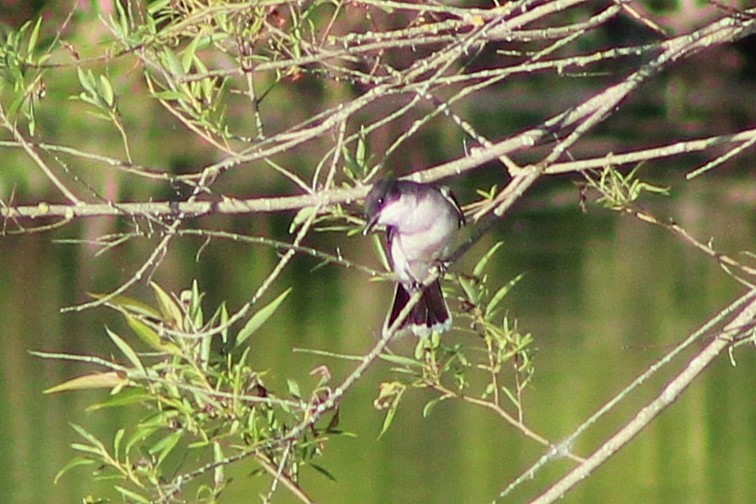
column 604, row 296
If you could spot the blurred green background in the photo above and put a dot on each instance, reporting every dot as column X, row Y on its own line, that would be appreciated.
column 603, row 295
column 604, row 298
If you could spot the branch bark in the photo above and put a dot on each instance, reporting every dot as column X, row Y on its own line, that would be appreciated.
column 743, row 322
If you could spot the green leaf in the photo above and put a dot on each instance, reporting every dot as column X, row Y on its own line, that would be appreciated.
column 195, row 306
column 106, row 91
column 76, row 462
column 360, row 150
column 172, row 62
column 168, row 307
column 260, row 317
column 86, row 435
column 126, row 349
column 189, row 54
column 401, row 360
column 123, row 398
column 117, row 441
column 164, row 446
column 129, row 305
column 131, row 496
column 483, row 262
column 301, row 217
column 496, row 299
column 170, row 95
column 87, row 449
column 322, row 470
column 469, row 286
column 380, row 251
column 108, row 380
column 86, row 79
column 428, row 408
column 149, row 336
column 224, row 323
column 294, row 388
column 34, row 37
column 389, row 396
column 219, row 473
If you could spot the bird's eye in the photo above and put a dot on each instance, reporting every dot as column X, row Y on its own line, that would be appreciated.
column 380, row 201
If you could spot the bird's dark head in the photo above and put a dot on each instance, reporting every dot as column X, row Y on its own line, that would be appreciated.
column 383, row 192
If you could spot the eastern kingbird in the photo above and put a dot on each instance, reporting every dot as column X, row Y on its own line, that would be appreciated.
column 420, row 220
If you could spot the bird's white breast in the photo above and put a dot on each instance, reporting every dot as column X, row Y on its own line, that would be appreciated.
column 423, row 227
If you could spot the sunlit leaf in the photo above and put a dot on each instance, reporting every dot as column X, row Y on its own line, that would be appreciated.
column 87, row 449
column 168, row 307
column 129, row 304
column 380, row 251
column 86, row 79
column 169, row 95
column 471, row 292
column 149, row 336
column 428, row 408
column 107, row 380
column 219, row 474
column 389, row 397
column 301, row 217
column 86, row 435
column 132, row 496
column 117, row 441
column 293, row 388
column 34, row 37
column 125, row 349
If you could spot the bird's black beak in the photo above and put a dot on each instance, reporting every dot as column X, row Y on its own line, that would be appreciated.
column 372, row 221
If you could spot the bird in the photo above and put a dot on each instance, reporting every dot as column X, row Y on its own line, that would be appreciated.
column 420, row 221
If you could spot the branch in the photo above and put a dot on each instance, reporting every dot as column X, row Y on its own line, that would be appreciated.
column 743, row 322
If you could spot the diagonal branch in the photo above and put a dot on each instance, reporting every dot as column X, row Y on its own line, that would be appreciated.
column 742, row 323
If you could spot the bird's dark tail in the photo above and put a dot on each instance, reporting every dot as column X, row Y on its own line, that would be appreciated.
column 428, row 315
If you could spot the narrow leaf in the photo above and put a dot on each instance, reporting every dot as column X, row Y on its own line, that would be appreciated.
column 260, row 317
column 325, row 472
column 481, row 265
column 129, row 304
column 34, row 37
column 164, row 447
column 78, row 461
column 401, row 360
column 503, row 291
column 86, row 435
column 126, row 350
column 90, row 381
column 168, row 307
column 117, row 441
column 300, row 218
column 123, row 398
column 106, row 91
column 131, row 496
column 149, row 336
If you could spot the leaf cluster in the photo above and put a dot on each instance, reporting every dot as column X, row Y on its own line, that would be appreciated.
column 198, row 400
column 20, row 72
column 497, row 364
